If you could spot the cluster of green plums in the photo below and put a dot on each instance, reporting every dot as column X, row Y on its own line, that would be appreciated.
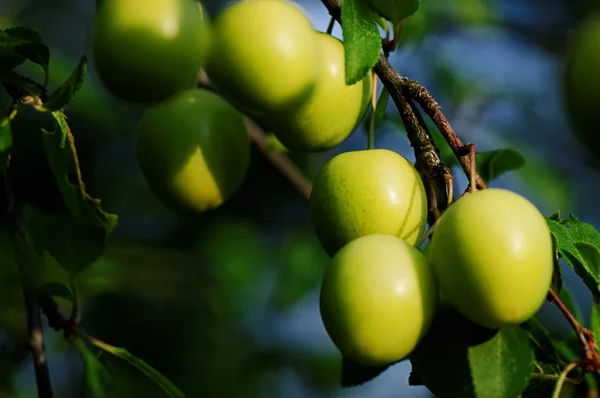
column 490, row 259
column 265, row 60
column 490, row 256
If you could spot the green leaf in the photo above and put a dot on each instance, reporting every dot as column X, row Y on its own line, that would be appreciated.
column 75, row 241
column 354, row 374
column 397, row 10
column 595, row 321
column 58, row 289
column 578, row 244
column 26, row 42
column 557, row 279
column 61, row 97
column 362, row 41
column 96, row 376
column 502, row 366
column 122, row 353
column 441, row 360
column 17, row 85
column 571, row 304
column 303, row 264
column 414, row 380
column 5, row 142
column 492, row 164
column 542, row 342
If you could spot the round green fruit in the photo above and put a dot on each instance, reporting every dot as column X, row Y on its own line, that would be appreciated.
column 145, row 51
column 378, row 299
column 332, row 112
column 581, row 83
column 264, row 55
column 492, row 254
column 375, row 191
column 194, row 150
column 394, row 10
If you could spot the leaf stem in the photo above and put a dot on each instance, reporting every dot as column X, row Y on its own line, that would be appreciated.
column 330, row 26
column 371, row 140
column 562, row 378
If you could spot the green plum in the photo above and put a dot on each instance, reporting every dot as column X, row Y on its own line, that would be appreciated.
column 378, row 299
column 264, row 55
column 145, row 51
column 332, row 112
column 194, row 150
column 374, row 191
column 492, row 254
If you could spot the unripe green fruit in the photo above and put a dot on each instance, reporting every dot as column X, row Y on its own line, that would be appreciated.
column 264, row 55
column 378, row 299
column 492, row 254
column 394, row 10
column 581, row 83
column 146, row 51
column 194, row 150
column 359, row 193
column 332, row 112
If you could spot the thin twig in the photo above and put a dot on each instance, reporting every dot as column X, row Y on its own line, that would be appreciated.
column 258, row 137
column 279, row 160
column 584, row 335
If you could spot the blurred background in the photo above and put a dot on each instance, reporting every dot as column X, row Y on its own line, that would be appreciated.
column 226, row 304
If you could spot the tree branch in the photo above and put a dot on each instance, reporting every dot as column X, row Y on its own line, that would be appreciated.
column 30, row 293
column 584, row 335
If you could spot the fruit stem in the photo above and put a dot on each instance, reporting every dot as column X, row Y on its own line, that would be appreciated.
column 562, row 377
column 371, row 142
column 331, row 25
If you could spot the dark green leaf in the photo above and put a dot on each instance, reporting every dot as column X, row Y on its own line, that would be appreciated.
column 397, row 10
column 595, row 321
column 571, row 304
column 502, row 366
column 441, row 358
column 542, row 342
column 61, row 97
column 17, row 85
column 569, row 348
column 79, row 240
column 96, row 376
column 27, row 42
column 354, row 374
column 5, row 142
column 122, row 353
column 74, row 242
column 413, row 379
column 492, row 164
column 303, row 264
column 557, row 279
column 58, row 289
column 578, row 244
column 362, row 41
